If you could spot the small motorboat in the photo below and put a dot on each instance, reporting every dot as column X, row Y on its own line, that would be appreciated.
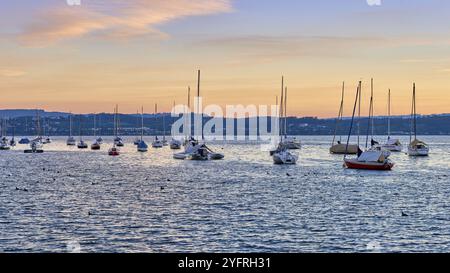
column 71, row 141
column 82, row 145
column 370, row 160
column 24, row 140
column 175, row 144
column 114, row 151
column 95, row 146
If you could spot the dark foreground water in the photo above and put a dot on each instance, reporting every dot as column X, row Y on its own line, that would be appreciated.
column 87, row 201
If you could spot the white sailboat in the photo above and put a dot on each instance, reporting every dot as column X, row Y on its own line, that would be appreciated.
column 291, row 142
column 36, row 145
column 70, row 140
column 193, row 149
column 95, row 145
column 81, row 143
column 142, row 146
column 374, row 145
column 114, row 150
column 4, row 143
column 337, row 147
column 282, row 155
column 392, row 144
column 416, row 146
column 157, row 143
column 117, row 139
column 137, row 139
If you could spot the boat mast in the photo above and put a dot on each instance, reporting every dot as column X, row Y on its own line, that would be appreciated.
column 340, row 115
column 389, row 114
column 95, row 125
column 370, row 124
column 415, row 111
column 358, row 95
column 198, row 104
column 285, row 112
column 281, row 107
column 359, row 111
column 188, row 118
column 142, row 123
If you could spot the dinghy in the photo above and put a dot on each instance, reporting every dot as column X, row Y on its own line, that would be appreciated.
column 175, row 144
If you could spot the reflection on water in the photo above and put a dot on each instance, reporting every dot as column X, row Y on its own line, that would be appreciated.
column 72, row 200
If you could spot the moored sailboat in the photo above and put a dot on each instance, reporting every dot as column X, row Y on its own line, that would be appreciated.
column 337, row 147
column 95, row 145
column 369, row 159
column 416, row 146
column 36, row 145
column 70, row 139
column 392, row 144
column 81, row 143
column 282, row 155
column 142, row 146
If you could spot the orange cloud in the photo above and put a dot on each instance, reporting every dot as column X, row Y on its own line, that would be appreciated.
column 114, row 19
column 11, row 73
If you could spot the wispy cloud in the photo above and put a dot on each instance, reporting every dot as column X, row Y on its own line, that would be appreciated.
column 8, row 72
column 114, row 19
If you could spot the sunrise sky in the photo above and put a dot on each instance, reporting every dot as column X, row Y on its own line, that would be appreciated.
column 87, row 58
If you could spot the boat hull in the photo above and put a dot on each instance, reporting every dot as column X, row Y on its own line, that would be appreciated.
column 374, row 166
column 418, row 152
column 393, row 148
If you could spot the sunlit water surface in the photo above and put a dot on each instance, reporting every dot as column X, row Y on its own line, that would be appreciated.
column 153, row 203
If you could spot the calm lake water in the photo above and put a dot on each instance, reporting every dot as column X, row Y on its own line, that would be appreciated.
column 89, row 201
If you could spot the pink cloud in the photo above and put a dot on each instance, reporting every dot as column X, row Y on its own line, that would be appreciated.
column 114, row 19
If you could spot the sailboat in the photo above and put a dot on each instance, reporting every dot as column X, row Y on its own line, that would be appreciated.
column 12, row 142
column 291, row 142
column 70, row 140
column 95, row 145
column 117, row 140
column 392, row 144
column 25, row 140
column 282, row 155
column 374, row 145
column 416, row 146
column 193, row 149
column 369, row 159
column 157, row 143
column 142, row 146
column 99, row 138
column 137, row 140
column 36, row 145
column 4, row 143
column 339, row 147
column 46, row 140
column 81, row 144
column 114, row 150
